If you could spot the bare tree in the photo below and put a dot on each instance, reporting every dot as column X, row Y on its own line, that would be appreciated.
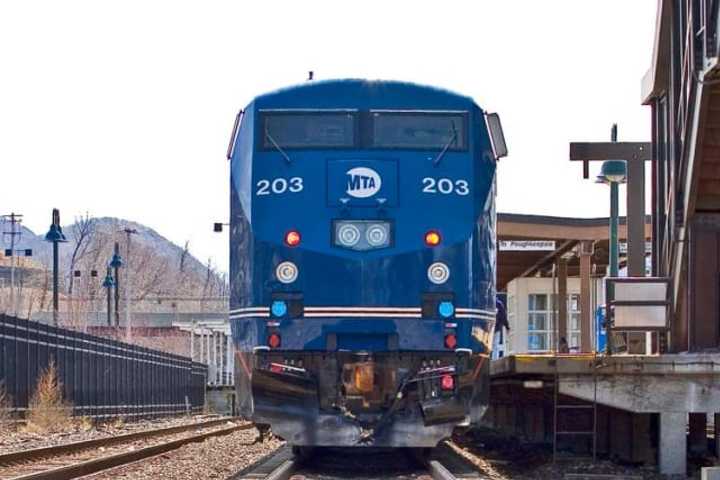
column 82, row 236
column 208, row 277
column 44, row 288
column 184, row 255
column 150, row 272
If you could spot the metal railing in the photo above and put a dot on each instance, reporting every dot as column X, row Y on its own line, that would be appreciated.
column 100, row 377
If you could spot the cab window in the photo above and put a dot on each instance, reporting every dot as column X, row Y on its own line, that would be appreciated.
column 419, row 130
column 299, row 129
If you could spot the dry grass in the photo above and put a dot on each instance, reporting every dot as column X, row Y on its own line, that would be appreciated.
column 48, row 411
column 5, row 406
column 85, row 424
column 118, row 423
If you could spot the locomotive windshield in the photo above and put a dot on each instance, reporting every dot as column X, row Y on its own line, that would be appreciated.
column 419, row 130
column 410, row 130
column 308, row 129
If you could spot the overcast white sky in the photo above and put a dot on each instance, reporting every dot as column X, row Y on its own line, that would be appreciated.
column 125, row 108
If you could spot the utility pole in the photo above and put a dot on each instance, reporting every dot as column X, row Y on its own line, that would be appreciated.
column 128, row 232
column 15, row 219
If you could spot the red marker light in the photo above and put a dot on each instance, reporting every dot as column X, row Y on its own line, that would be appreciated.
column 447, row 382
column 450, row 341
column 273, row 340
column 292, row 238
column 276, row 368
column 432, row 238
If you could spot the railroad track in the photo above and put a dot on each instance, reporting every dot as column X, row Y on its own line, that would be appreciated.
column 361, row 464
column 73, row 460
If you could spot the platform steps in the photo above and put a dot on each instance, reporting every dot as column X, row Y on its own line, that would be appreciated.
column 559, row 409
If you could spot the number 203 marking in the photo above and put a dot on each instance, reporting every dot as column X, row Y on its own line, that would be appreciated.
column 445, row 186
column 279, row 185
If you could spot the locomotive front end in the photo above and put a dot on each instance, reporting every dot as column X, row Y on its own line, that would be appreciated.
column 362, row 263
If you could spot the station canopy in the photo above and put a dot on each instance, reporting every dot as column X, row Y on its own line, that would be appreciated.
column 529, row 245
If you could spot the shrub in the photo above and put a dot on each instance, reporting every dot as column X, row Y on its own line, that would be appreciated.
column 47, row 410
column 5, row 407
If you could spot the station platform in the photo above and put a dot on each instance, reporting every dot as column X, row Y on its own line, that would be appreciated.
column 645, row 403
column 585, row 363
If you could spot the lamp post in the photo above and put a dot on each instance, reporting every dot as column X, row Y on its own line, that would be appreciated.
column 613, row 172
column 55, row 235
column 108, row 284
column 115, row 263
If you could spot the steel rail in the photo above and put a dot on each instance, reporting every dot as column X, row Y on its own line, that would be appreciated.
column 88, row 467
column 293, row 468
column 284, row 471
column 270, row 463
column 439, row 472
column 24, row 456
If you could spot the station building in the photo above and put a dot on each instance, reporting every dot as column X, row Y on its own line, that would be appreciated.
column 539, row 263
column 656, row 407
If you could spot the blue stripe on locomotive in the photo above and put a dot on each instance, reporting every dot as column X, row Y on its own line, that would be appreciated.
column 390, row 277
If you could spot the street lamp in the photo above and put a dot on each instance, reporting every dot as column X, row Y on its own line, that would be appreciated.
column 613, row 172
column 115, row 263
column 108, row 283
column 55, row 235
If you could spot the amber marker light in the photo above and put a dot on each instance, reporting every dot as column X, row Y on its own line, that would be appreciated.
column 292, row 238
column 432, row 238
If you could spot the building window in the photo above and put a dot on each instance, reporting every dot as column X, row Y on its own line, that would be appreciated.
column 540, row 337
column 541, row 330
column 574, row 321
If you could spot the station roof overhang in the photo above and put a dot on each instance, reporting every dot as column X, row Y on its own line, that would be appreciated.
column 560, row 236
column 655, row 81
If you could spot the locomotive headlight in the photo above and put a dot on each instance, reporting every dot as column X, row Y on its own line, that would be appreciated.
column 377, row 235
column 348, row 234
column 438, row 273
column 362, row 235
column 286, row 272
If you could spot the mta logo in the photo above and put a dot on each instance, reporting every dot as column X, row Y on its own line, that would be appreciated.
column 363, row 182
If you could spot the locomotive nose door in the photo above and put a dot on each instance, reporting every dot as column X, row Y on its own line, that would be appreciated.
column 362, row 183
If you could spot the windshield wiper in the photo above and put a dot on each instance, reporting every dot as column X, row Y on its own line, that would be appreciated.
column 277, row 146
column 452, row 140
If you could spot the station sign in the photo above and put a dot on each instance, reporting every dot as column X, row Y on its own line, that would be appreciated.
column 526, row 245
column 623, row 248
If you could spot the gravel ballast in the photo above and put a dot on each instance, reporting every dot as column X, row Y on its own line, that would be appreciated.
column 14, row 438
column 216, row 457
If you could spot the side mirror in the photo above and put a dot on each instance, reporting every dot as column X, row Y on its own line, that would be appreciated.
column 217, row 227
column 497, row 137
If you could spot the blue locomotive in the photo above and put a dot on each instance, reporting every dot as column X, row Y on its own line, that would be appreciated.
column 362, row 262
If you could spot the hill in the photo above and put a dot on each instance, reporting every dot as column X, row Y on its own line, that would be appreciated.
column 156, row 265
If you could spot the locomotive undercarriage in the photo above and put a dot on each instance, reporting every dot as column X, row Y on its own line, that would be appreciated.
column 411, row 399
